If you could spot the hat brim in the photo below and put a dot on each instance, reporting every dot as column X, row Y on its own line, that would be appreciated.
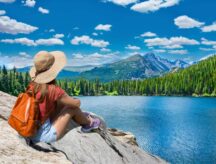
column 52, row 72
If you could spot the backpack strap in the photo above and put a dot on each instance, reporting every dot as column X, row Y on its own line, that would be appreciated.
column 30, row 89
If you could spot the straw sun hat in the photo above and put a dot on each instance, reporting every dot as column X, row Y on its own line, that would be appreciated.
column 47, row 65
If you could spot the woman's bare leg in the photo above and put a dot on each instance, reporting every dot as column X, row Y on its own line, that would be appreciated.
column 64, row 117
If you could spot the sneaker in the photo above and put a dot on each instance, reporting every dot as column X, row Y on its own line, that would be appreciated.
column 94, row 125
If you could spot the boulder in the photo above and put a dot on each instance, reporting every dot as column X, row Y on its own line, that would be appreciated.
column 103, row 146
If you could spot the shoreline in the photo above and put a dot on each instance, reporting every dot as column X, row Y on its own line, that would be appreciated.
column 200, row 96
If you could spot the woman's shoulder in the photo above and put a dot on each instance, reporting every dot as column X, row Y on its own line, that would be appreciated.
column 54, row 87
column 56, row 90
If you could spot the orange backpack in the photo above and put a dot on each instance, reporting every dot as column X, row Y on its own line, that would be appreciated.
column 25, row 115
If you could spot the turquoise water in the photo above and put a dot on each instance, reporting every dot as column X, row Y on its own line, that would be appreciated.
column 178, row 129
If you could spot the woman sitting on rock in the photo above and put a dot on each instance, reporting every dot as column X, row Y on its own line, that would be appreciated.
column 57, row 108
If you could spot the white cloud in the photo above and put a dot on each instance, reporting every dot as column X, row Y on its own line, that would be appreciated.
column 132, row 47
column 105, row 50
column 52, row 30
column 29, row 42
column 174, row 46
column 17, row 61
column 30, row 3
column 181, row 52
column 11, row 26
column 22, row 41
column 2, row 12
column 160, row 51
column 173, row 42
column 43, row 10
column 89, row 41
column 59, row 36
column 24, row 54
column 77, row 56
column 121, row 2
column 207, row 49
column 208, row 42
column 153, row 5
column 148, row 34
column 186, row 22
column 209, row 28
column 103, row 27
column 95, row 34
column 76, row 28
column 96, row 59
column 49, row 42
column 7, row 1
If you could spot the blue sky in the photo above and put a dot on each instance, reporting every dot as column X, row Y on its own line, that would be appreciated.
column 94, row 32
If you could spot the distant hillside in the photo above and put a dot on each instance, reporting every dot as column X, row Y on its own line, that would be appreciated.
column 197, row 80
column 134, row 67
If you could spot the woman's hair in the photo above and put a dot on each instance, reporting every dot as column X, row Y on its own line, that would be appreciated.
column 43, row 88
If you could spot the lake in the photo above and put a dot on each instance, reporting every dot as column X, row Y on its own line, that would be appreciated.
column 178, row 129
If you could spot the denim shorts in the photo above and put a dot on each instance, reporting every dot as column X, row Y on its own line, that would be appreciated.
column 46, row 133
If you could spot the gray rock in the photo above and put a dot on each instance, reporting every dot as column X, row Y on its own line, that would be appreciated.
column 14, row 150
column 101, row 147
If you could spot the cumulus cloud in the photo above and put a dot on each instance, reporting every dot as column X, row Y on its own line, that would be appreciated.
column 105, row 50
column 186, row 22
column 95, row 34
column 103, row 27
column 174, row 46
column 11, row 26
column 89, row 41
column 30, row 3
column 209, row 28
column 49, row 42
column 43, row 10
column 153, row 5
column 22, row 41
column 7, row 1
column 59, row 36
column 148, row 34
column 173, row 42
column 121, row 2
column 181, row 52
column 29, row 42
column 96, row 59
column 18, row 61
column 207, row 42
column 24, row 54
column 207, row 49
column 2, row 12
column 132, row 47
column 52, row 30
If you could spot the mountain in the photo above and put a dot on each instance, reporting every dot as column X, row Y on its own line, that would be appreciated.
column 62, row 75
column 134, row 67
column 79, row 68
column 197, row 80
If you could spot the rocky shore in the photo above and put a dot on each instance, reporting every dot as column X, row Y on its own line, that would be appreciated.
column 102, row 147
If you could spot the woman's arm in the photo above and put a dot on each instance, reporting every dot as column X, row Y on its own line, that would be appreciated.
column 69, row 101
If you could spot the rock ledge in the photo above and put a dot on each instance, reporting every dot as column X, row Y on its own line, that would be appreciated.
column 112, row 146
